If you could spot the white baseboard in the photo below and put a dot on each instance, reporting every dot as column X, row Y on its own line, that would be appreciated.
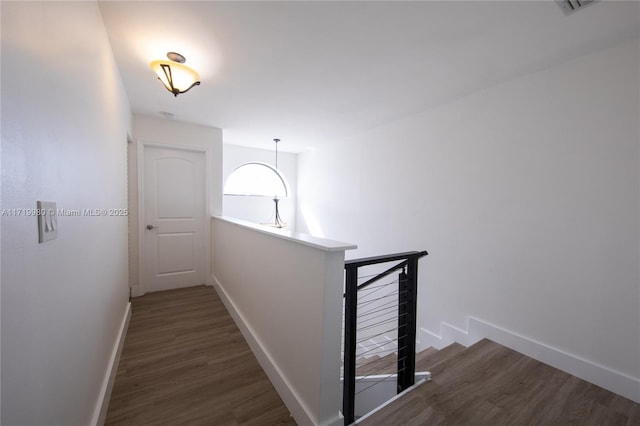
column 210, row 281
column 100, row 411
column 448, row 335
column 609, row 379
column 291, row 399
column 136, row 291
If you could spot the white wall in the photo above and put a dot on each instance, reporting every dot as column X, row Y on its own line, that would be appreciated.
column 260, row 209
column 525, row 195
column 157, row 131
column 65, row 119
column 285, row 293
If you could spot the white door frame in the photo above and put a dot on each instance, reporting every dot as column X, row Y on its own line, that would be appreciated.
column 141, row 288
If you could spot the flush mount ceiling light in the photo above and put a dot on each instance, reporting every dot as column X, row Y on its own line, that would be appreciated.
column 174, row 75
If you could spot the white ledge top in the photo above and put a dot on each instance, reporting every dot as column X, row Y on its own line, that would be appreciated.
column 296, row 237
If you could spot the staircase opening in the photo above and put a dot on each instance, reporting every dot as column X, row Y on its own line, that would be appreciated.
column 380, row 307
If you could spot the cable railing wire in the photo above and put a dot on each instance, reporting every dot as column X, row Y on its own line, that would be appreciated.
column 376, row 335
column 378, row 324
column 371, row 287
column 375, row 383
column 378, row 288
column 381, row 321
column 368, row 302
column 372, row 310
column 378, row 309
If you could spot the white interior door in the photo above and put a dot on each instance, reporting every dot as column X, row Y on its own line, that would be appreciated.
column 174, row 212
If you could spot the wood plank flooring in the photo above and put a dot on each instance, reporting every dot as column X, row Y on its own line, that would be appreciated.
column 425, row 361
column 185, row 362
column 489, row 384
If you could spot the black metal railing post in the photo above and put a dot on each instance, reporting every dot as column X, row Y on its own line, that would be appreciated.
column 403, row 337
column 350, row 315
column 407, row 309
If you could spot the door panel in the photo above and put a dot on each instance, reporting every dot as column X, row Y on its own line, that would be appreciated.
column 174, row 192
column 175, row 188
column 175, row 253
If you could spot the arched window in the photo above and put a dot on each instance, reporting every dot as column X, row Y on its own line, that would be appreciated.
column 256, row 179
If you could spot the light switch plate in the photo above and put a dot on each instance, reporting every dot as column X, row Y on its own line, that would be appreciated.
column 47, row 221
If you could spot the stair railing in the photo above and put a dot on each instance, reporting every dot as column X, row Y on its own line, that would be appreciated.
column 406, row 320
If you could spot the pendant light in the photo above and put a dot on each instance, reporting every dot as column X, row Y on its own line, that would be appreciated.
column 278, row 221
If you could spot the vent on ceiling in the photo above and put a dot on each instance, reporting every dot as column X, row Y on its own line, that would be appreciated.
column 570, row 6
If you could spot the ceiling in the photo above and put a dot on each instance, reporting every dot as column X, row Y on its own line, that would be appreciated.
column 312, row 73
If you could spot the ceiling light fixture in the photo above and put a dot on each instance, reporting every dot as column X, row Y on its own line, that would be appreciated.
column 174, row 75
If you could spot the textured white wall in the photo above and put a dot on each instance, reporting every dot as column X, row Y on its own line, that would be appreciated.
column 65, row 119
column 260, row 209
column 525, row 194
column 157, row 131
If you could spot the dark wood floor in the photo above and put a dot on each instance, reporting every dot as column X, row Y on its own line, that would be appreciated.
column 425, row 361
column 185, row 362
column 488, row 384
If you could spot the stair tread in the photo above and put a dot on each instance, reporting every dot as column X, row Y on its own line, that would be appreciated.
column 491, row 384
column 366, row 359
column 361, row 361
column 384, row 365
column 430, row 351
column 468, row 356
column 427, row 360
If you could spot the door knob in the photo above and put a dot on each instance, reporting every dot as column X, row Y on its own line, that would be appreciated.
column 150, row 227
